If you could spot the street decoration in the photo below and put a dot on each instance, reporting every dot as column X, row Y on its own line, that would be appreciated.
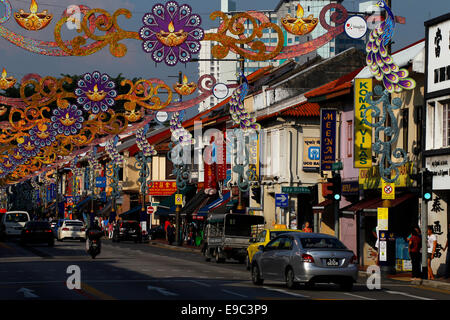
column 185, row 88
column 179, row 33
column 6, row 82
column 391, row 133
column 96, row 92
column 171, row 33
column 299, row 25
column 379, row 60
column 147, row 149
column 237, row 110
column 67, row 121
column 33, row 20
column 180, row 134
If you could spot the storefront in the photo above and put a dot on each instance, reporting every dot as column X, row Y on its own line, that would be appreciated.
column 437, row 134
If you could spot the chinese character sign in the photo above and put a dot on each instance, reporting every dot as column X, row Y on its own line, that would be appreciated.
column 328, row 138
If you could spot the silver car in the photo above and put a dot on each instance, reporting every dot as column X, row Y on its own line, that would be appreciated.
column 305, row 258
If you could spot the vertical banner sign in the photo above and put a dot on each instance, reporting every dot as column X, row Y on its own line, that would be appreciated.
column 383, row 218
column 222, row 165
column 254, row 156
column 363, row 133
column 327, row 139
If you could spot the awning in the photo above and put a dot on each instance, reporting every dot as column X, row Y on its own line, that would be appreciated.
column 132, row 214
column 106, row 209
column 215, row 205
column 372, row 205
column 167, row 206
column 80, row 205
column 198, row 201
column 321, row 206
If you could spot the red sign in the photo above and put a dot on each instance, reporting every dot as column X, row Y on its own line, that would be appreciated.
column 150, row 210
column 162, row 188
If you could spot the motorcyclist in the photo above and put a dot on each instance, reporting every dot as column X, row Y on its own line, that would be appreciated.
column 93, row 233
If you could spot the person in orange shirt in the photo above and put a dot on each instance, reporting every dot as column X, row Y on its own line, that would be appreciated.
column 307, row 228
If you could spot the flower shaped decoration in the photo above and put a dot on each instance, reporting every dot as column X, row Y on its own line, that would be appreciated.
column 67, row 121
column 43, row 134
column 171, row 33
column 96, row 92
column 28, row 148
column 17, row 157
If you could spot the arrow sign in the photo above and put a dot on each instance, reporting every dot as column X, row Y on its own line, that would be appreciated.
column 161, row 291
column 27, row 293
column 281, row 200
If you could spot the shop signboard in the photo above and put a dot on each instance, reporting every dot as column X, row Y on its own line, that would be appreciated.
column 311, row 154
column 162, row 188
column 362, row 132
column 370, row 178
column 327, row 138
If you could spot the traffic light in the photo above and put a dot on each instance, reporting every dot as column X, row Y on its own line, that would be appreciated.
column 335, row 187
column 427, row 185
column 256, row 195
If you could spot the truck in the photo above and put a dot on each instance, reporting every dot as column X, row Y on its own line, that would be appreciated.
column 227, row 236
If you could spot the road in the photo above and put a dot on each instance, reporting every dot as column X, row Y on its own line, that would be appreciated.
column 129, row 271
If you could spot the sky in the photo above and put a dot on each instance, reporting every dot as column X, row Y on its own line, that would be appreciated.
column 136, row 63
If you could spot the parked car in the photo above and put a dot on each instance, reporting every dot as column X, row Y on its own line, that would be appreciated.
column 72, row 229
column 262, row 239
column 37, row 232
column 55, row 225
column 305, row 258
column 12, row 223
column 127, row 230
column 157, row 232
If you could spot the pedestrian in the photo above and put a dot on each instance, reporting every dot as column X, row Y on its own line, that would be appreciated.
column 166, row 225
column 110, row 229
column 170, row 233
column 414, row 246
column 431, row 244
column 307, row 228
column 447, row 259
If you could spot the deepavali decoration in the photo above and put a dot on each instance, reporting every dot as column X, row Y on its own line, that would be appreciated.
column 6, row 82
column 380, row 62
column 185, row 88
column 180, row 134
column 96, row 92
column 33, row 20
column 391, row 133
column 299, row 25
column 237, row 111
column 171, row 33
column 147, row 149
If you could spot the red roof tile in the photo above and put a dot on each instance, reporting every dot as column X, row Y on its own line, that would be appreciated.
column 341, row 84
column 303, row 109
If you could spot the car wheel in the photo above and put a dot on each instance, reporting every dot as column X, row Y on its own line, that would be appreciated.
column 256, row 277
column 346, row 285
column 218, row 258
column 290, row 279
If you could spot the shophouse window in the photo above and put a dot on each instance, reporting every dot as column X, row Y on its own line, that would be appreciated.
column 349, row 138
column 446, row 124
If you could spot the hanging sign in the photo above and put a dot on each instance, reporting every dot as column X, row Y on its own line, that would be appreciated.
column 178, row 199
column 383, row 218
column 387, row 190
column 363, row 132
column 327, row 138
column 311, row 154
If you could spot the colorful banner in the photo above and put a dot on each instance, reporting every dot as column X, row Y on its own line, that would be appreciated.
column 162, row 188
column 363, row 133
column 371, row 179
column 311, row 153
column 327, row 139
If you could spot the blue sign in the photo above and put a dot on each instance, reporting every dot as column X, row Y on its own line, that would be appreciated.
column 100, row 182
column 281, row 200
column 327, row 139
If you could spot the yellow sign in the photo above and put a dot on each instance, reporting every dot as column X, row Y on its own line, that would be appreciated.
column 371, row 179
column 387, row 190
column 363, row 132
column 178, row 199
column 383, row 218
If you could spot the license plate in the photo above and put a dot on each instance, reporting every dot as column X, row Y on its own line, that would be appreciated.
column 332, row 262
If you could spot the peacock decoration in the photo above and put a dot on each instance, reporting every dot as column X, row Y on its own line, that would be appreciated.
column 237, row 111
column 378, row 59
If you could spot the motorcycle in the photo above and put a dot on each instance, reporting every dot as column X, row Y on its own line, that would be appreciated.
column 94, row 244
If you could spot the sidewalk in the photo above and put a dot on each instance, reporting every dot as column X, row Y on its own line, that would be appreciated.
column 164, row 244
column 439, row 283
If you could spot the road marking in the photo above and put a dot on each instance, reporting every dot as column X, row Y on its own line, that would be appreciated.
column 27, row 293
column 201, row 283
column 162, row 291
column 407, row 295
column 357, row 296
column 286, row 292
column 234, row 293
column 432, row 289
column 95, row 292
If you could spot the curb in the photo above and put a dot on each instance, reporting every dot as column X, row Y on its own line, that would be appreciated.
column 423, row 282
column 172, row 247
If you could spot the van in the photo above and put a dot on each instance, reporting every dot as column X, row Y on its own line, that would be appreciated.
column 13, row 222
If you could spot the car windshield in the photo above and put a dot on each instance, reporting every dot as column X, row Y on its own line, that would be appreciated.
column 37, row 225
column 322, row 243
column 17, row 217
column 274, row 234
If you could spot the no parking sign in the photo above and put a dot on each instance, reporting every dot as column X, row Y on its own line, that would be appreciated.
column 387, row 190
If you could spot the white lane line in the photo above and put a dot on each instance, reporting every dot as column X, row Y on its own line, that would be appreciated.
column 234, row 293
column 357, row 296
column 286, row 292
column 407, row 295
column 161, row 291
column 200, row 283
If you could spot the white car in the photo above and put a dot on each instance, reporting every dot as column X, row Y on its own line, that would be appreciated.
column 72, row 229
column 13, row 222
